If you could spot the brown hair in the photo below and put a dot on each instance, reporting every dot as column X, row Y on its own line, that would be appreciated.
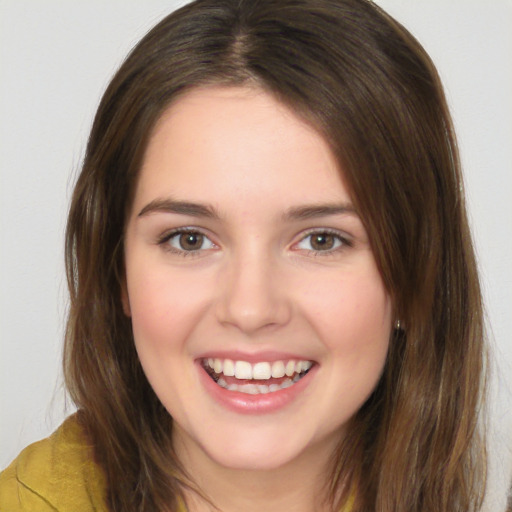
column 369, row 87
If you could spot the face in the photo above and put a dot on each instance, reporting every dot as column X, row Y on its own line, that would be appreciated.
column 258, row 312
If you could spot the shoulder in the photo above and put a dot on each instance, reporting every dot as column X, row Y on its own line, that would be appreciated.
column 57, row 474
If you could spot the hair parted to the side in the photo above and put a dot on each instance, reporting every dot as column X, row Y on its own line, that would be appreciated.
column 368, row 86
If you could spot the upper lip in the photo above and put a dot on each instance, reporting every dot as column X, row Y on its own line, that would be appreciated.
column 267, row 356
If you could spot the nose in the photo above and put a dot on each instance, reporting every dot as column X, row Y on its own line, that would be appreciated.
column 252, row 294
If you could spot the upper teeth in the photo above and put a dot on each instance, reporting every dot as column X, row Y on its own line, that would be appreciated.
column 261, row 371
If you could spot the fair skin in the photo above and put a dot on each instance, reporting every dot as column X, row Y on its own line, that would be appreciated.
column 244, row 253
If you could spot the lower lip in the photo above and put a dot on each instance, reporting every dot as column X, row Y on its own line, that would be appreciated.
column 244, row 403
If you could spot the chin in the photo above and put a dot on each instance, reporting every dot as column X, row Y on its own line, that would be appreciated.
column 251, row 458
column 256, row 449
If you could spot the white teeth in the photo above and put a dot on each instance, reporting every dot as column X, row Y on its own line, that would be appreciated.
column 278, row 370
column 256, row 389
column 229, row 368
column 250, row 389
column 243, row 370
column 217, row 366
column 306, row 365
column 262, row 370
column 290, row 368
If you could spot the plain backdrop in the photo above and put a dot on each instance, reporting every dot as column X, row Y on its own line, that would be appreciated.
column 56, row 58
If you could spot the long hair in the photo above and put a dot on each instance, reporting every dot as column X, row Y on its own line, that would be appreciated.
column 360, row 79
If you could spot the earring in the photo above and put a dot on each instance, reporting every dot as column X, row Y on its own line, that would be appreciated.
column 398, row 325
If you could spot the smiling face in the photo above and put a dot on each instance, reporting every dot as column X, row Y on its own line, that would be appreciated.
column 258, row 312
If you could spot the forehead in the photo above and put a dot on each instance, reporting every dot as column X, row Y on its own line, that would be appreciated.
column 230, row 143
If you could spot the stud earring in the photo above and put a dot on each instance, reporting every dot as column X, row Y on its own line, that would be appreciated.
column 398, row 325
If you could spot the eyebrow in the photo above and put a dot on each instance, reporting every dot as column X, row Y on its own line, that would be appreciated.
column 321, row 210
column 179, row 207
column 207, row 211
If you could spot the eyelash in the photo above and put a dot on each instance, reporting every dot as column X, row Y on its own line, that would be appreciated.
column 342, row 242
column 167, row 237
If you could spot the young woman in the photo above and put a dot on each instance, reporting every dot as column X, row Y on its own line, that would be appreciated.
column 274, row 298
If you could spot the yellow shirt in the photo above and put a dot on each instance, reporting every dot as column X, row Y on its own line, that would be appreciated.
column 57, row 474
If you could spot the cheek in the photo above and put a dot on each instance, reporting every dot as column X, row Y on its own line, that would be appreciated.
column 352, row 316
column 165, row 306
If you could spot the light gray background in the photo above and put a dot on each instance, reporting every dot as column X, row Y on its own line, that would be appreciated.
column 56, row 58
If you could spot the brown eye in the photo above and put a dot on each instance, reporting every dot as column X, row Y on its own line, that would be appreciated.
column 322, row 241
column 186, row 241
column 191, row 241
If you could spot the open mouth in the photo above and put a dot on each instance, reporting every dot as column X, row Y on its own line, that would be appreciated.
column 255, row 379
